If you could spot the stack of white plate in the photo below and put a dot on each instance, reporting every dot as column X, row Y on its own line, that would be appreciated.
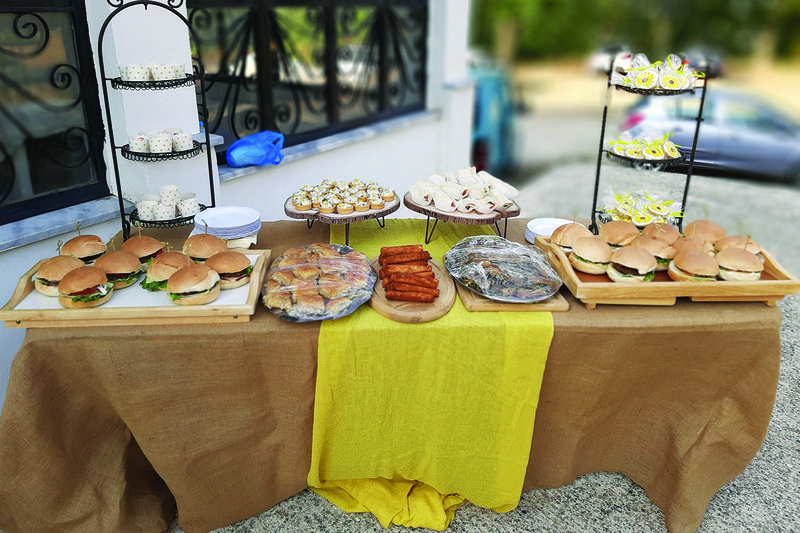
column 228, row 222
column 543, row 227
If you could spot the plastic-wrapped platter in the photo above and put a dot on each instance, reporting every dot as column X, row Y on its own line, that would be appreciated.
column 502, row 270
column 319, row 281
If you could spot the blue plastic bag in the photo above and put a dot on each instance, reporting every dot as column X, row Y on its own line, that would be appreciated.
column 262, row 148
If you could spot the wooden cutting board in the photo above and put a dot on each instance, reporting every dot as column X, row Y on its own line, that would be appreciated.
column 475, row 302
column 415, row 312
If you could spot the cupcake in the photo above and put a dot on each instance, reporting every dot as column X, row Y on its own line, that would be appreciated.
column 362, row 205
column 344, row 208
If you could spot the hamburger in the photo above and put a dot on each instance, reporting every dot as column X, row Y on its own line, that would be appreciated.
column 144, row 247
column 162, row 267
column 202, row 246
column 590, row 255
column 668, row 232
column 122, row 268
column 86, row 286
column 705, row 229
column 87, row 248
column 566, row 234
column 52, row 270
column 193, row 285
column 693, row 265
column 737, row 264
column 737, row 241
column 657, row 246
column 631, row 264
column 618, row 232
column 234, row 269
column 693, row 243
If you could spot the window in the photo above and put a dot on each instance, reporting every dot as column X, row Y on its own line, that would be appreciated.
column 308, row 69
column 51, row 133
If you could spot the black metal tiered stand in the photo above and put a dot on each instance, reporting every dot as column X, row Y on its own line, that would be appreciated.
column 655, row 92
column 194, row 79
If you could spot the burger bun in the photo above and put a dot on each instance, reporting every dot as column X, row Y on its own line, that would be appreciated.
column 693, row 265
column 631, row 264
column 590, row 255
column 198, row 282
column 202, row 246
column 81, row 279
column 121, row 263
column 52, row 270
column 230, row 266
column 566, row 234
column 618, row 232
column 87, row 248
column 737, row 264
column 705, row 229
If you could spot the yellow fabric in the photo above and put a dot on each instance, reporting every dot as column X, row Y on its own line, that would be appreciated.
column 411, row 420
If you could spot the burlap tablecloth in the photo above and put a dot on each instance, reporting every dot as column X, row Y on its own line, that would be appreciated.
column 109, row 429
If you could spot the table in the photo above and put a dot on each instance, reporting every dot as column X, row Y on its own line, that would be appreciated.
column 114, row 429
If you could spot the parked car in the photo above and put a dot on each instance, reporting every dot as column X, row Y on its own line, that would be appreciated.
column 740, row 132
column 493, row 139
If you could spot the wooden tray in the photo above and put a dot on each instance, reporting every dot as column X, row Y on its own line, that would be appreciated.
column 335, row 218
column 475, row 302
column 457, row 216
column 133, row 305
column 415, row 312
column 775, row 283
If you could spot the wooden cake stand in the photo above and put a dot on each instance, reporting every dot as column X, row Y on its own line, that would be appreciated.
column 313, row 214
column 458, row 217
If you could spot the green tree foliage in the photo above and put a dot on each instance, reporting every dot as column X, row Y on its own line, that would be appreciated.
column 559, row 28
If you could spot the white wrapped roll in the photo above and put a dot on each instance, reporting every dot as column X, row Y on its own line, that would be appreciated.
column 454, row 190
column 444, row 203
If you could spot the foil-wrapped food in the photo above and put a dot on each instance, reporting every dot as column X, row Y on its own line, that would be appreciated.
column 502, row 270
column 319, row 281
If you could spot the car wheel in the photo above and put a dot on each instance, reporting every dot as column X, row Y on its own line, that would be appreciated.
column 647, row 165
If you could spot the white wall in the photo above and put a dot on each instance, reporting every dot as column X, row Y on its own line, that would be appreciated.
column 396, row 159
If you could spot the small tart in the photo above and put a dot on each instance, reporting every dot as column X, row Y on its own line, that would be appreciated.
column 361, row 205
column 376, row 203
column 326, row 207
column 303, row 205
column 344, row 208
column 387, row 195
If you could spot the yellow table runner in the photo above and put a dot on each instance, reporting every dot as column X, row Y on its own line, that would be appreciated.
column 411, row 420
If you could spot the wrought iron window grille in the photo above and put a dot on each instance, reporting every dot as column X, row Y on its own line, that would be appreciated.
column 306, row 68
